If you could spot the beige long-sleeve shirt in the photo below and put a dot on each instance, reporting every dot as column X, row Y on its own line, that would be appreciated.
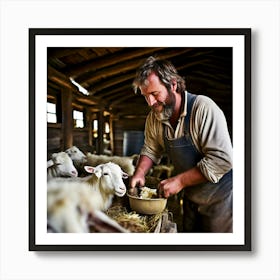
column 208, row 129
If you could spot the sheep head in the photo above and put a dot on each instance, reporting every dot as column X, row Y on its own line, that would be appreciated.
column 64, row 164
column 76, row 154
column 110, row 176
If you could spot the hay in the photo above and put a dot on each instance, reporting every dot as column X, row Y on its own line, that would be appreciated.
column 132, row 221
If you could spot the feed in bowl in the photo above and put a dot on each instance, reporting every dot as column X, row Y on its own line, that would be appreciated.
column 148, row 206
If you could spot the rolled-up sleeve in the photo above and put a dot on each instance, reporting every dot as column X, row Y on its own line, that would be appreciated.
column 209, row 126
column 153, row 145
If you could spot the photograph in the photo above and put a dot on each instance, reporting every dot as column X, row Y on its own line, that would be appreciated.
column 146, row 138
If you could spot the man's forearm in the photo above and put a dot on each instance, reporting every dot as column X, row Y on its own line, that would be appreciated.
column 192, row 177
column 144, row 165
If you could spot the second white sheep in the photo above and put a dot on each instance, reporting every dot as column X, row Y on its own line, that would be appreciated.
column 70, row 202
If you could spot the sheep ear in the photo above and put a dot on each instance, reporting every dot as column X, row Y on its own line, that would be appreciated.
column 124, row 175
column 89, row 169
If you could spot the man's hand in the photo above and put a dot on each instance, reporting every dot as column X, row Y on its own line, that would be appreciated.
column 175, row 184
column 170, row 187
column 136, row 181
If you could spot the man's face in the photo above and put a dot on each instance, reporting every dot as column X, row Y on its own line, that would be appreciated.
column 157, row 95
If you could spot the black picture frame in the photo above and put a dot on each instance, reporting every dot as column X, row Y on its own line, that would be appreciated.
column 243, row 35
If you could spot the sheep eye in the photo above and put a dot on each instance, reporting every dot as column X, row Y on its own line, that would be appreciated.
column 105, row 173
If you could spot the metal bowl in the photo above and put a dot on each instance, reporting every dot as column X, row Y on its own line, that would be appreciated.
column 149, row 206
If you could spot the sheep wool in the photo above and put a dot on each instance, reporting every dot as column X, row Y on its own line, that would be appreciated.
column 71, row 201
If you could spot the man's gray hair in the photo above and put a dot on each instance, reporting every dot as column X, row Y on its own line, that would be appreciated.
column 164, row 69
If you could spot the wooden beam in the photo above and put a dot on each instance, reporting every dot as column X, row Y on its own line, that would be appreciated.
column 61, row 52
column 108, row 93
column 126, row 65
column 95, row 64
column 60, row 78
column 123, row 98
column 97, row 87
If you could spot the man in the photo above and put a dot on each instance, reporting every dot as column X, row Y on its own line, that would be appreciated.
column 192, row 130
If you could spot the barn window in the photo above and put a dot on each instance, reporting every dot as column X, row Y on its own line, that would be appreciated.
column 78, row 118
column 51, row 112
column 95, row 128
column 107, row 128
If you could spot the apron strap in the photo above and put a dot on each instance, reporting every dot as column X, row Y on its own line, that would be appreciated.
column 190, row 99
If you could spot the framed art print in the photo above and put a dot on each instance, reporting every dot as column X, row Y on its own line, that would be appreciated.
column 81, row 95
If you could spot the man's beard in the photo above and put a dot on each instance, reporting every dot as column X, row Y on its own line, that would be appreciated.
column 168, row 110
column 168, row 107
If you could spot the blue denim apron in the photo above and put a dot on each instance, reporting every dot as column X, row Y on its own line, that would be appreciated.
column 207, row 206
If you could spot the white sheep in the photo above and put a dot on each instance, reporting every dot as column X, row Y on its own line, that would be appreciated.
column 61, row 165
column 71, row 202
column 78, row 157
column 80, row 160
column 126, row 163
column 75, row 154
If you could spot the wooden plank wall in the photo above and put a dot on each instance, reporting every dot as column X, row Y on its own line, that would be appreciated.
column 62, row 135
column 122, row 125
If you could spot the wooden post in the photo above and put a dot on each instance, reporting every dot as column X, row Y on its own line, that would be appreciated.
column 89, row 120
column 112, row 134
column 67, row 118
column 101, row 131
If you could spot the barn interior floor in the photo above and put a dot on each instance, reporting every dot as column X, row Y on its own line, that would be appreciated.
column 173, row 206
